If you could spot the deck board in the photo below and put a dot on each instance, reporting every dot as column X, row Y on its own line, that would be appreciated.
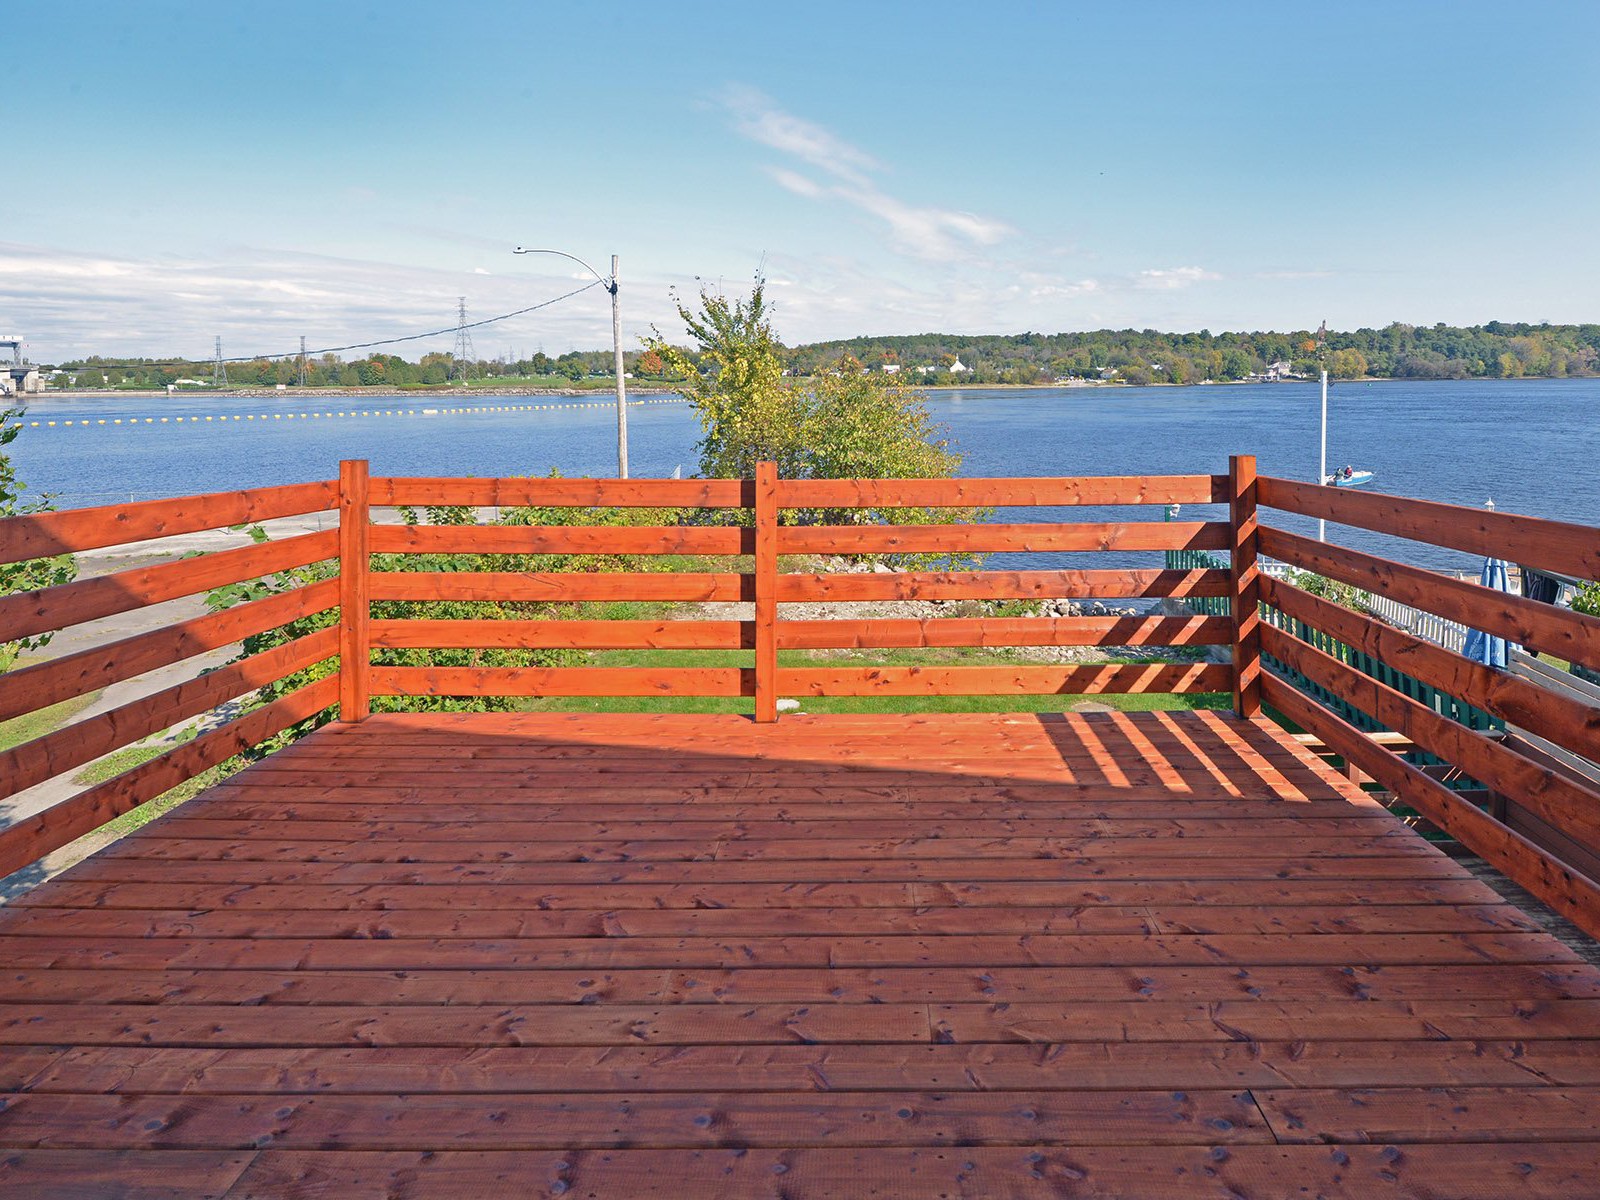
column 969, row 955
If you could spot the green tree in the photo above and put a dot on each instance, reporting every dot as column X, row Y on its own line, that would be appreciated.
column 844, row 423
column 31, row 574
column 735, row 384
column 1347, row 364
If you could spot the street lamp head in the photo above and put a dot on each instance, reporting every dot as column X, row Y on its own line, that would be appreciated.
column 610, row 281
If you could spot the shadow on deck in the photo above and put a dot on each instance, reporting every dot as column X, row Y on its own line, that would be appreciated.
column 1162, row 954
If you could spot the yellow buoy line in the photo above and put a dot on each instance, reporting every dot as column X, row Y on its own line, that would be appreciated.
column 336, row 414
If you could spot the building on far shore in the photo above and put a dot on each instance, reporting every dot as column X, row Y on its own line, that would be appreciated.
column 18, row 376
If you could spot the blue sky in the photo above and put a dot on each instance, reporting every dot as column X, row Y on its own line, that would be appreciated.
column 344, row 171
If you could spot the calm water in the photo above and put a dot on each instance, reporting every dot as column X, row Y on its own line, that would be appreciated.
column 1531, row 446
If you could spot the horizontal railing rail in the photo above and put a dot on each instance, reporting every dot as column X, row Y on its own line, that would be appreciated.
column 1550, row 797
column 176, row 696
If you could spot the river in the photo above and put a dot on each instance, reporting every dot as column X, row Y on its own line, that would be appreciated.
column 1532, row 446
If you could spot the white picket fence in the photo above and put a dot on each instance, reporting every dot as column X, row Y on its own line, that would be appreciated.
column 1428, row 626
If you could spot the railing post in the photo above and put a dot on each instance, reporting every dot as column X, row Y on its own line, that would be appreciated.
column 355, row 640
column 766, row 581
column 1245, row 594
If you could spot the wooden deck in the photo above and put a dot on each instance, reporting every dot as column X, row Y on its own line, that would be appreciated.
column 1160, row 955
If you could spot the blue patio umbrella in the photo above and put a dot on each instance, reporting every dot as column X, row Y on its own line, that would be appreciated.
column 1485, row 648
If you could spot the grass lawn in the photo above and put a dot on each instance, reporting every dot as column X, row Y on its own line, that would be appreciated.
column 36, row 724
column 586, row 384
column 125, row 760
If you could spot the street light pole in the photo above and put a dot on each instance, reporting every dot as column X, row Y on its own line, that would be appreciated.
column 622, row 388
column 1322, row 456
column 611, row 285
column 1322, row 459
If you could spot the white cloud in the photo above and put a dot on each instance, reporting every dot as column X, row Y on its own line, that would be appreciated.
column 937, row 234
column 1293, row 275
column 68, row 303
column 797, row 183
column 1172, row 278
column 758, row 119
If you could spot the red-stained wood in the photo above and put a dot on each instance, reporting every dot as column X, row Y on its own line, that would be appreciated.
column 1458, row 1114
column 766, row 585
column 83, row 741
column 24, row 614
column 562, row 493
column 587, row 1121
column 1560, row 800
column 989, row 1067
column 1525, row 1171
column 1101, row 920
column 560, row 539
column 1001, row 585
column 993, row 493
column 355, row 576
column 1000, row 681
column 25, row 689
column 1561, row 719
column 983, row 954
column 1004, row 631
column 1561, row 547
column 1542, row 627
column 992, row 538
column 1559, row 885
column 1245, row 577
column 43, row 535
column 33, row 837
column 419, row 633
column 562, row 681
column 52, row 1174
column 559, row 587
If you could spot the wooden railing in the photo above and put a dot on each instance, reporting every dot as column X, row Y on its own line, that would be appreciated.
column 41, row 685
column 1530, row 794
column 755, row 512
column 770, row 558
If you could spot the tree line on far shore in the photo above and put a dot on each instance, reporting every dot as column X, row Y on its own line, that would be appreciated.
column 1496, row 350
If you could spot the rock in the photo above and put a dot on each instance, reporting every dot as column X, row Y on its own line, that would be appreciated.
column 879, row 568
column 788, row 705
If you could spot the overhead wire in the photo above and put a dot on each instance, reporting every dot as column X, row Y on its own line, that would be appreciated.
column 410, row 337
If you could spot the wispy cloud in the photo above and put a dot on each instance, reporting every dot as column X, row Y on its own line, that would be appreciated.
column 848, row 175
column 1170, row 279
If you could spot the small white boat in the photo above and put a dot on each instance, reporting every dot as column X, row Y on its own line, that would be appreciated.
column 1349, row 477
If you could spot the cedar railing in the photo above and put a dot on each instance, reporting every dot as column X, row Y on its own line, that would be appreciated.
column 748, row 520
column 1541, row 823
column 30, row 688
column 763, row 503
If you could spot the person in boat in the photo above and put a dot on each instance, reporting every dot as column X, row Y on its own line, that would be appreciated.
column 1348, row 471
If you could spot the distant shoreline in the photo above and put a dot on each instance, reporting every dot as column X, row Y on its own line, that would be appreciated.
column 604, row 393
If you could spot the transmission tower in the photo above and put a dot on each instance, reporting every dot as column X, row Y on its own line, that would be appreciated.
column 464, row 353
column 219, row 369
column 302, row 360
